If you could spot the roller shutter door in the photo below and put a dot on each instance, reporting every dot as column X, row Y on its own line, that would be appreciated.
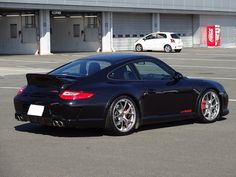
column 180, row 24
column 128, row 27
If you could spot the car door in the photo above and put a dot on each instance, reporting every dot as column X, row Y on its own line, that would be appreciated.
column 161, row 94
column 161, row 40
column 149, row 42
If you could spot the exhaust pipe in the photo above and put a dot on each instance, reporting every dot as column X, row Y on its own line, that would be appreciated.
column 19, row 117
column 57, row 123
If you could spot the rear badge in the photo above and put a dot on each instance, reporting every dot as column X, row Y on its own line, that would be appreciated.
column 54, row 91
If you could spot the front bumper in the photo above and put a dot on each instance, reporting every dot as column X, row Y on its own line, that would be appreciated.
column 224, row 98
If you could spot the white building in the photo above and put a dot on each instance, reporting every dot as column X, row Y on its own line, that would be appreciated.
column 47, row 26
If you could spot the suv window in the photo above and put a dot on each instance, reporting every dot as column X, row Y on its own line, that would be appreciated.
column 151, row 71
column 123, row 73
column 175, row 36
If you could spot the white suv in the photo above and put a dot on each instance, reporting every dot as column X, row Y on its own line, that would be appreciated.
column 159, row 41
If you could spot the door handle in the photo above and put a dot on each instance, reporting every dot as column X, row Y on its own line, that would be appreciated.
column 154, row 91
column 150, row 92
column 170, row 91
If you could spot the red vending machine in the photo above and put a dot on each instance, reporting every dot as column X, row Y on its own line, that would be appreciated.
column 213, row 36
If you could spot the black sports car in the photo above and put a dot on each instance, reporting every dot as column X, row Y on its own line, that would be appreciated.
column 118, row 92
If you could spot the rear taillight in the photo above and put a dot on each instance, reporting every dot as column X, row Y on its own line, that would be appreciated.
column 21, row 90
column 172, row 40
column 75, row 95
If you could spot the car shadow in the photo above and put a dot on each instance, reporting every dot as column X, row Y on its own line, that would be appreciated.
column 75, row 132
column 173, row 124
column 58, row 131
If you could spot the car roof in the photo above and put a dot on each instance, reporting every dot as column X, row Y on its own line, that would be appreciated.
column 116, row 57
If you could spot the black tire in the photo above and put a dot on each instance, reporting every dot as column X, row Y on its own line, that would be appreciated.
column 138, row 48
column 202, row 103
column 178, row 50
column 167, row 48
column 113, row 121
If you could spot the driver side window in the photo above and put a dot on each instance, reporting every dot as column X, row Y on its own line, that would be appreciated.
column 149, row 70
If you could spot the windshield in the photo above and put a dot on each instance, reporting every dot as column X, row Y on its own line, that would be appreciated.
column 81, row 68
column 175, row 36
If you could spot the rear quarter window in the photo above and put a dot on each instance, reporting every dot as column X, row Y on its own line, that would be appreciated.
column 175, row 36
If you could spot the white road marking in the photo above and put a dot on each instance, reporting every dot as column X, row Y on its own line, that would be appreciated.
column 196, row 59
column 208, row 67
column 14, row 88
column 28, row 61
column 4, row 71
column 214, row 78
column 232, row 100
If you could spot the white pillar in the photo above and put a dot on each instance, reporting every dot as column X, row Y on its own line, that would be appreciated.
column 107, row 32
column 44, row 27
column 156, row 22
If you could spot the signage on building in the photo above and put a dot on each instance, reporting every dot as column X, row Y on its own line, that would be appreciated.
column 56, row 12
column 213, row 36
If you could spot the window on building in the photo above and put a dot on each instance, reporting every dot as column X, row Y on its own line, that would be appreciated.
column 30, row 21
column 92, row 22
column 13, row 30
column 76, row 30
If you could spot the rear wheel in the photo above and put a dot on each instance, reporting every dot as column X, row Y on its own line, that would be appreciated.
column 209, row 106
column 138, row 48
column 178, row 50
column 167, row 48
column 122, row 116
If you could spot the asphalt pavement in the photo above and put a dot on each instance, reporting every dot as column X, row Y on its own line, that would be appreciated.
column 177, row 149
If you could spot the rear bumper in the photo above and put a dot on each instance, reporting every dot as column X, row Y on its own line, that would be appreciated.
column 70, row 114
column 177, row 46
column 58, row 122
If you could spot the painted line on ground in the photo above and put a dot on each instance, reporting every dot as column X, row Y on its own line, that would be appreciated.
column 206, row 67
column 14, row 88
column 196, row 59
column 213, row 78
column 232, row 100
column 28, row 61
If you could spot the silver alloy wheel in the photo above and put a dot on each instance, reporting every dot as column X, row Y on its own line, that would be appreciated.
column 210, row 106
column 168, row 49
column 139, row 48
column 124, row 115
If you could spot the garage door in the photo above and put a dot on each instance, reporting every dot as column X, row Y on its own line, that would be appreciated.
column 180, row 24
column 128, row 27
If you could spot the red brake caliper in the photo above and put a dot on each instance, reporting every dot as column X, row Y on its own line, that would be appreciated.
column 203, row 105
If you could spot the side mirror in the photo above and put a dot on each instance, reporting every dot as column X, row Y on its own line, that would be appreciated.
column 144, row 39
column 178, row 76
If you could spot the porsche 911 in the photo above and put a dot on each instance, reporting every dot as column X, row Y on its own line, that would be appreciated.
column 118, row 93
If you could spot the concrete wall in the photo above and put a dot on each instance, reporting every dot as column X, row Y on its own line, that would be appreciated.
column 198, row 5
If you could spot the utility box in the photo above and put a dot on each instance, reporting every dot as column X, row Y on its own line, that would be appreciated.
column 213, row 36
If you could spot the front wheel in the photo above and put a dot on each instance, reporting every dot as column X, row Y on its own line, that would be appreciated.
column 167, row 48
column 122, row 116
column 138, row 48
column 209, row 106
